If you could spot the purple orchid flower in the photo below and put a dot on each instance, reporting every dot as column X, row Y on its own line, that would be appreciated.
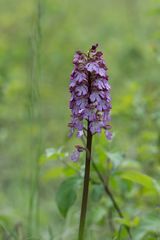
column 90, row 95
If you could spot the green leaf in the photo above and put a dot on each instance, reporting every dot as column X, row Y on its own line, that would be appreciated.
column 149, row 225
column 97, row 192
column 130, row 164
column 53, row 173
column 58, row 171
column 66, row 195
column 116, row 158
column 98, row 214
column 52, row 154
column 141, row 179
column 127, row 222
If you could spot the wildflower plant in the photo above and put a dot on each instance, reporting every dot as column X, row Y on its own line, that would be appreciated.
column 90, row 105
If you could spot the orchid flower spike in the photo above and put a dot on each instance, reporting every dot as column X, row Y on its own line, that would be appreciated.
column 90, row 95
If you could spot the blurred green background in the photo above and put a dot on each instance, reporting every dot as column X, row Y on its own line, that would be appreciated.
column 37, row 43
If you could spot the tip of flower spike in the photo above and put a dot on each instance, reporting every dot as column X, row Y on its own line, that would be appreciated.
column 93, row 48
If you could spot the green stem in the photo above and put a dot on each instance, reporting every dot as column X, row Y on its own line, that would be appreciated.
column 85, row 185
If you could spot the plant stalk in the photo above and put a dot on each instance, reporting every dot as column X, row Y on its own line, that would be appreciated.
column 85, row 185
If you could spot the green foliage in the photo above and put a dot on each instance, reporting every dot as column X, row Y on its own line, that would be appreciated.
column 97, row 192
column 66, row 195
column 38, row 39
column 52, row 154
column 141, row 179
column 127, row 222
column 52, row 170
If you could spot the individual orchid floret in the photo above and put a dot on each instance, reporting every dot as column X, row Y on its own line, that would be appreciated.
column 76, row 154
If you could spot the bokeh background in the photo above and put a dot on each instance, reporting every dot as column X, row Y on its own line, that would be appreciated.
column 37, row 43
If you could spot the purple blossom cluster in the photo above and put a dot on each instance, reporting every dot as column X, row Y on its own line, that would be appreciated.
column 90, row 94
